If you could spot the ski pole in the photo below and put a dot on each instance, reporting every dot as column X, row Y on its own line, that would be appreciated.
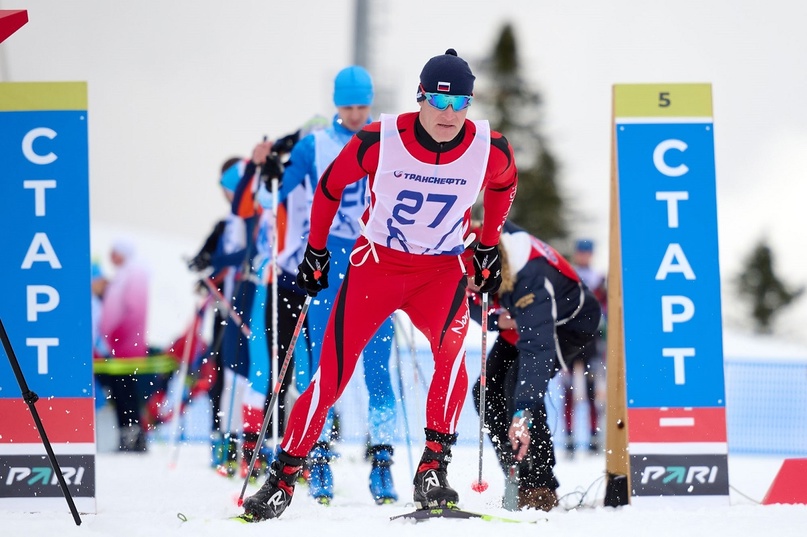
column 480, row 485
column 398, row 363
column 214, row 352
column 230, row 308
column 273, row 268
column 275, row 393
column 411, row 342
column 30, row 399
column 417, row 373
column 183, row 374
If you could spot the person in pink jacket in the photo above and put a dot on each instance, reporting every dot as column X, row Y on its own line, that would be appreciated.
column 122, row 327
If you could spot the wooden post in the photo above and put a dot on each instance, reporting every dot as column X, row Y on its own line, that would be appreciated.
column 617, row 464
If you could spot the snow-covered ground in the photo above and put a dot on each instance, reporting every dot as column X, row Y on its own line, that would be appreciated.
column 142, row 495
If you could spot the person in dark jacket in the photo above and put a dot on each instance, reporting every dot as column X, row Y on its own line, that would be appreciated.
column 546, row 315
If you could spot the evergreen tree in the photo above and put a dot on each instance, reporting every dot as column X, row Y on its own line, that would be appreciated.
column 514, row 109
column 759, row 285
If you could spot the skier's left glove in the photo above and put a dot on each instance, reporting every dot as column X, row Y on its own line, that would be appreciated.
column 312, row 274
column 487, row 268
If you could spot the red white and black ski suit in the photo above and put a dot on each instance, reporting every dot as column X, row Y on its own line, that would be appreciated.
column 422, row 278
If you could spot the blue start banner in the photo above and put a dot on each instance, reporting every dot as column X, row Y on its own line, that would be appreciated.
column 670, row 277
column 44, row 206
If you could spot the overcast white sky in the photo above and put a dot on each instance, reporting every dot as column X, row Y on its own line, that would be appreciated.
column 176, row 87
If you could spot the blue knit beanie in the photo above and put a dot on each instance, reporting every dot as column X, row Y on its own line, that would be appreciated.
column 447, row 73
column 232, row 176
column 584, row 245
column 353, row 86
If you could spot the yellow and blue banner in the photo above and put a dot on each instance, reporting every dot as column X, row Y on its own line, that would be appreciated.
column 45, row 268
column 671, row 293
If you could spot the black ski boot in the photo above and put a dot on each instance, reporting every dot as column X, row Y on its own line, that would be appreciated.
column 275, row 494
column 133, row 439
column 431, row 480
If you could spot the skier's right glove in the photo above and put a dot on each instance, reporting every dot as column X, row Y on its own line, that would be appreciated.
column 273, row 168
column 487, row 268
column 312, row 274
column 200, row 262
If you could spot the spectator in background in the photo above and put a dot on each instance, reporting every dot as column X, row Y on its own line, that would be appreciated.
column 98, row 285
column 590, row 363
column 122, row 329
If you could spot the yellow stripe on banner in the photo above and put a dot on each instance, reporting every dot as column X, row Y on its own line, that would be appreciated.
column 662, row 100
column 36, row 96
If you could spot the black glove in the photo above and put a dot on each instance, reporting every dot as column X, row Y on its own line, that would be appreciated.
column 487, row 268
column 312, row 274
column 272, row 169
column 284, row 144
column 200, row 262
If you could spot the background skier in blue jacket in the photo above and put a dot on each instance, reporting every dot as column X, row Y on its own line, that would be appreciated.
column 310, row 157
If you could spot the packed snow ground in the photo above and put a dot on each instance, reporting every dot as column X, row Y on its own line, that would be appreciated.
column 142, row 495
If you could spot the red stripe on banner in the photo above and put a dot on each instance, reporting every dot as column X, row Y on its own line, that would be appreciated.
column 677, row 424
column 65, row 419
